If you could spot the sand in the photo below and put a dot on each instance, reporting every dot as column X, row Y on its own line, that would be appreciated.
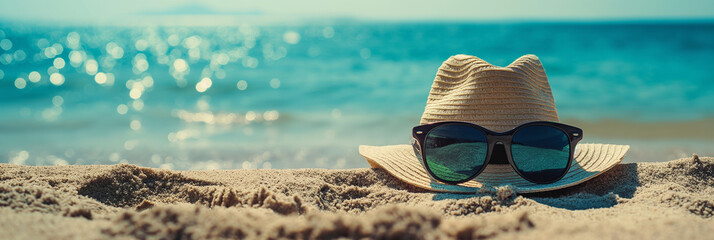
column 670, row 200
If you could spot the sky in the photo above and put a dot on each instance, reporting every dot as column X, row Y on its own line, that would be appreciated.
column 464, row 10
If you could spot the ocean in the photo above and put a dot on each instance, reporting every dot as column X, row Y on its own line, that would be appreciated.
column 306, row 95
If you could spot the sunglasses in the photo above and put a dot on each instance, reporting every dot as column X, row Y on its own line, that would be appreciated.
column 456, row 152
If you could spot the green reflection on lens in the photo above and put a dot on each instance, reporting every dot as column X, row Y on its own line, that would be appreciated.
column 455, row 152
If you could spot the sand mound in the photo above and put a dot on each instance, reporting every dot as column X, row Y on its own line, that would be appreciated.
column 126, row 185
column 195, row 222
column 45, row 200
column 672, row 199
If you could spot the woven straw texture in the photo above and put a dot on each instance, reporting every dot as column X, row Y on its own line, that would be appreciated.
column 469, row 89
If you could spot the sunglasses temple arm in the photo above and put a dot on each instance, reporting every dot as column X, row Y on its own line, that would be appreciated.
column 417, row 150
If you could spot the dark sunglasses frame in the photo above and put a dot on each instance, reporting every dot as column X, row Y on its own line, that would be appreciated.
column 419, row 134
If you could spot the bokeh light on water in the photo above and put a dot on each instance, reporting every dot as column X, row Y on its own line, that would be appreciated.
column 180, row 98
column 254, row 96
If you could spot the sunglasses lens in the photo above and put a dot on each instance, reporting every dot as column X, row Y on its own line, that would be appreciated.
column 541, row 153
column 455, row 152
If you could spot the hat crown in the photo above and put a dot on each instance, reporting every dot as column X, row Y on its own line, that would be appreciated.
column 469, row 89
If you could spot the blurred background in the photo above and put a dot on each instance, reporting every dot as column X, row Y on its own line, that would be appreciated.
column 300, row 84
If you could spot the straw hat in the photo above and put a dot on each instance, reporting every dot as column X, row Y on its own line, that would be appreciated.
column 469, row 89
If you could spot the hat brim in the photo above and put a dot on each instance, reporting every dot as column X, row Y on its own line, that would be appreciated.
column 401, row 162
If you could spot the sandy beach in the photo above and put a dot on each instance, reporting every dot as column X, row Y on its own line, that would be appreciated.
column 669, row 200
column 332, row 120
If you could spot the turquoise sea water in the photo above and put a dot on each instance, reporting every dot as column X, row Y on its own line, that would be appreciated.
column 270, row 96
